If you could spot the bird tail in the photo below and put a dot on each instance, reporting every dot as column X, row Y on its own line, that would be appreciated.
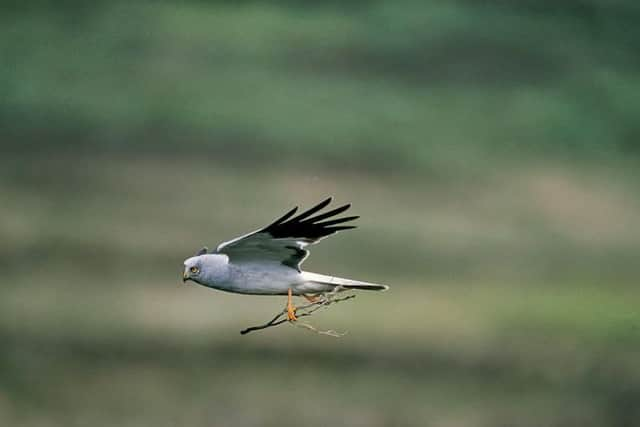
column 344, row 283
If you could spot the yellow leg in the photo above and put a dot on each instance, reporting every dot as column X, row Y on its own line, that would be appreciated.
column 291, row 310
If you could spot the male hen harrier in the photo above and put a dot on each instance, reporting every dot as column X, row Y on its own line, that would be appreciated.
column 267, row 261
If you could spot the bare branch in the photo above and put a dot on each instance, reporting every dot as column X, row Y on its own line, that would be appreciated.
column 303, row 311
column 329, row 332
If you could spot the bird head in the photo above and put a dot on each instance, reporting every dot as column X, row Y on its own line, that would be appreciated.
column 193, row 266
column 205, row 268
column 192, row 269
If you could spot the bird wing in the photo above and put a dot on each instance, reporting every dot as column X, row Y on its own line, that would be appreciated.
column 286, row 238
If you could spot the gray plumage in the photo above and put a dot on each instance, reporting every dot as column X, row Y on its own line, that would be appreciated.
column 267, row 261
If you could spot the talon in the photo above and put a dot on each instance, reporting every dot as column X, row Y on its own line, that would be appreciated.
column 291, row 310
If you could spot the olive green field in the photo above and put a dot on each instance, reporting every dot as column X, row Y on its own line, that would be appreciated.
column 492, row 152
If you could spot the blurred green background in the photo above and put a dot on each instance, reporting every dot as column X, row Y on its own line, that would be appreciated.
column 491, row 149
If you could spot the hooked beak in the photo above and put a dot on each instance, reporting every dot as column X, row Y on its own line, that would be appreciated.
column 185, row 277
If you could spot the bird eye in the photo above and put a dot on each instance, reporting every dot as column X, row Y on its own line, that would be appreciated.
column 194, row 270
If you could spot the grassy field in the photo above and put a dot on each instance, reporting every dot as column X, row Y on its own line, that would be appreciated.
column 98, row 329
column 414, row 86
column 491, row 149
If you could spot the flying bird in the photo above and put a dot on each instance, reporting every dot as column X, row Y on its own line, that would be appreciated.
column 267, row 261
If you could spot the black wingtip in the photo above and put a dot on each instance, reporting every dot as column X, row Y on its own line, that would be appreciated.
column 340, row 228
column 306, row 225
column 337, row 220
column 329, row 214
column 313, row 210
column 284, row 217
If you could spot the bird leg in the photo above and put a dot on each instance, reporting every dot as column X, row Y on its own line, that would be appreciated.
column 291, row 310
column 305, row 310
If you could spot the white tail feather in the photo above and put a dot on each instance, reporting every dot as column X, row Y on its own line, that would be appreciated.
column 345, row 283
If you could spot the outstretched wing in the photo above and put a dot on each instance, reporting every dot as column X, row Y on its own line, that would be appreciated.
column 286, row 238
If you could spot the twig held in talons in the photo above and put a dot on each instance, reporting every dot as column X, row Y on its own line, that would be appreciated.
column 303, row 311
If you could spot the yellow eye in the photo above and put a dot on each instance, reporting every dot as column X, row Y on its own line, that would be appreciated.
column 194, row 270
